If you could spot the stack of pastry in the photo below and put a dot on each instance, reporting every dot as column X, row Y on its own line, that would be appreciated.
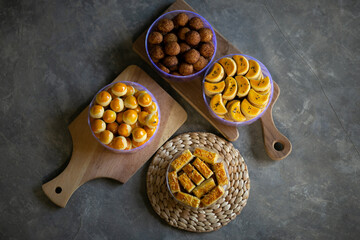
column 197, row 179
column 123, row 117
column 237, row 88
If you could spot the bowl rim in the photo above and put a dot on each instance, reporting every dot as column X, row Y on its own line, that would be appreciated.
column 168, row 74
column 265, row 72
column 140, row 88
column 191, row 149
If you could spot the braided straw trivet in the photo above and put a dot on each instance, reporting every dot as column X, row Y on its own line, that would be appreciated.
column 206, row 219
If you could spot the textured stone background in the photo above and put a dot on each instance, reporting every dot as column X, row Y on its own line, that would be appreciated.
column 54, row 55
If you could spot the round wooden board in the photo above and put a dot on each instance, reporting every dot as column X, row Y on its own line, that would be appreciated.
column 203, row 219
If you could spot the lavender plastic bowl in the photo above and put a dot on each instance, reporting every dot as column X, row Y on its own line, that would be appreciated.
column 265, row 72
column 170, row 15
column 140, row 88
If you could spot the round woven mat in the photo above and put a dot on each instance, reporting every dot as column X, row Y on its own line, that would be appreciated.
column 205, row 219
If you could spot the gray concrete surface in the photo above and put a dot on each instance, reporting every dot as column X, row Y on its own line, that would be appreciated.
column 54, row 55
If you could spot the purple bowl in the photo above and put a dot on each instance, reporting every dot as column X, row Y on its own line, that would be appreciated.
column 170, row 15
column 140, row 88
column 265, row 72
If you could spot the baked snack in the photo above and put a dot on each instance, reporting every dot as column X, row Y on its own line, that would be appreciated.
column 98, row 126
column 142, row 117
column 204, row 188
column 112, row 127
column 144, row 100
column 119, row 143
column 220, row 174
column 207, row 49
column 156, row 52
column 124, row 130
column 186, row 182
column 139, row 134
column 152, row 120
column 155, row 38
column 130, row 116
column 192, row 56
column 186, row 69
column 130, row 90
column 170, row 61
column 192, row 38
column 117, row 104
column 152, row 108
column 119, row 89
column 172, row 48
column 181, row 19
column 203, row 168
column 170, row 37
column 165, row 25
column 200, row 64
column 196, row 23
column 206, row 34
column 103, row 98
column 106, row 137
column 205, row 155
column 182, row 32
column 130, row 102
column 173, row 182
column 188, row 199
column 182, row 160
column 194, row 175
column 97, row 111
column 212, row 196
column 163, row 68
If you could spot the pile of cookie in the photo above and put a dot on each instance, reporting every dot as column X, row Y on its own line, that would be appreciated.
column 198, row 179
column 123, row 117
column 238, row 89
column 181, row 46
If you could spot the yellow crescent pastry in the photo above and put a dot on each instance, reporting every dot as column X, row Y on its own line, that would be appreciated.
column 130, row 102
column 203, row 168
column 144, row 99
column 230, row 89
column 130, row 116
column 206, row 156
column 220, row 174
column 264, row 92
column 152, row 108
column 182, row 160
column 119, row 143
column 139, row 134
column 188, row 199
column 186, row 182
column 254, row 70
column 142, row 117
column 103, row 98
column 249, row 110
column 112, row 127
column 243, row 86
column 97, row 111
column 258, row 100
column 98, row 126
column 242, row 64
column 152, row 120
column 234, row 112
column 106, row 137
column 124, row 130
column 214, row 88
column 109, row 116
column 194, row 175
column 212, row 196
column 229, row 66
column 204, row 188
column 117, row 104
column 130, row 91
column 217, row 105
column 217, row 73
column 119, row 117
column 173, row 182
column 261, row 85
column 119, row 89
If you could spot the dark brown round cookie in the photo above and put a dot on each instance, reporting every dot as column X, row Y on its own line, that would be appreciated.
column 186, row 69
column 207, row 50
column 195, row 23
column 172, row 48
column 192, row 38
column 165, row 25
column 170, row 61
column 155, row 38
column 184, row 47
column 191, row 56
column 163, row 68
column 181, row 19
column 156, row 52
column 206, row 34
column 170, row 37
column 200, row 64
column 182, row 32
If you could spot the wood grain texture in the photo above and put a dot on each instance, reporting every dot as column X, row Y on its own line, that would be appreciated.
column 192, row 92
column 272, row 135
column 90, row 160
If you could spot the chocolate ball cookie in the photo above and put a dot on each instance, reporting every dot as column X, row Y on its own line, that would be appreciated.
column 195, row 23
column 156, row 52
column 191, row 56
column 207, row 49
column 182, row 32
column 186, row 69
column 172, row 48
column 155, row 38
column 206, row 34
column 200, row 64
column 192, row 38
column 181, row 19
column 170, row 61
column 184, row 47
column 165, row 25
column 170, row 37
column 163, row 68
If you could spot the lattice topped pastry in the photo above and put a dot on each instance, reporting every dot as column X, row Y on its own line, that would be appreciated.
column 197, row 178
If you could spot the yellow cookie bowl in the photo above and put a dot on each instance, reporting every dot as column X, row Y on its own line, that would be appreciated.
column 237, row 89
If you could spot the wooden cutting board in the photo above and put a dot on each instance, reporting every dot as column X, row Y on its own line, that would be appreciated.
column 191, row 91
column 90, row 160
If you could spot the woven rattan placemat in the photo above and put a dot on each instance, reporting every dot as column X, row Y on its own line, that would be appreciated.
column 205, row 219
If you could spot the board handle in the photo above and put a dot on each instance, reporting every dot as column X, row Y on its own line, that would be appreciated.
column 60, row 189
column 277, row 146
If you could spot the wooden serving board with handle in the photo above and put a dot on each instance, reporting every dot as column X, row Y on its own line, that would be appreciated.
column 191, row 91
column 90, row 160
